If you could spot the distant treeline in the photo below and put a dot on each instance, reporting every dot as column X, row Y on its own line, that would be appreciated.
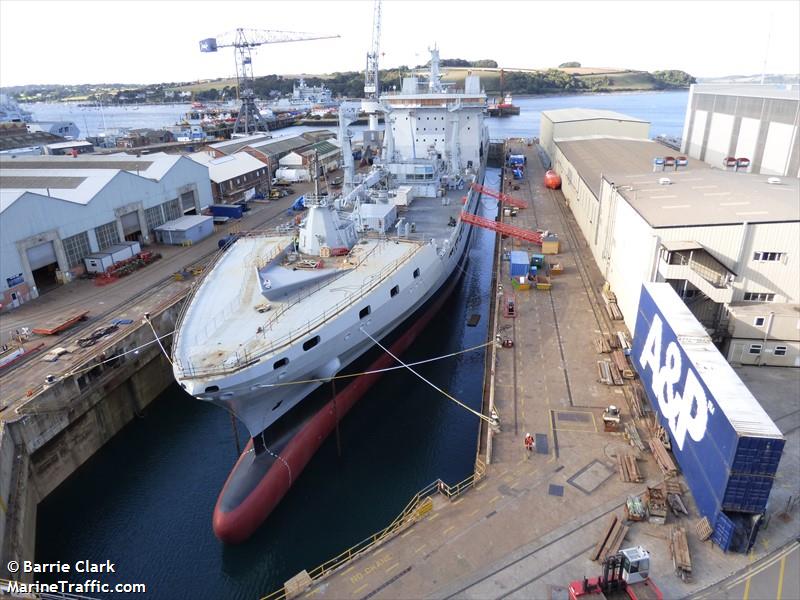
column 351, row 84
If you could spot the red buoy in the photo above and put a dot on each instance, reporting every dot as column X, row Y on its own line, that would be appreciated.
column 552, row 180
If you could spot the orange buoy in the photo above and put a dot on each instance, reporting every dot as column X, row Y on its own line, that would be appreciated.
column 552, row 180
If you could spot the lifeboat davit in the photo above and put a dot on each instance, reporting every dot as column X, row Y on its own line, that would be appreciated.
column 552, row 180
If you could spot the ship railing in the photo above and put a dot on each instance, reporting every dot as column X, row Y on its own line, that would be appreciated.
column 241, row 358
column 221, row 315
column 416, row 509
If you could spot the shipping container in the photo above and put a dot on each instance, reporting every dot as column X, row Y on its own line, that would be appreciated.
column 99, row 262
column 185, row 230
column 519, row 263
column 724, row 442
column 234, row 211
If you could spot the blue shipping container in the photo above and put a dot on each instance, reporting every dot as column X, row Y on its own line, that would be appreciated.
column 234, row 211
column 725, row 443
column 519, row 263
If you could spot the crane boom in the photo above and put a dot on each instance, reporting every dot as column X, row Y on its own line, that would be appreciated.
column 243, row 41
column 371, row 77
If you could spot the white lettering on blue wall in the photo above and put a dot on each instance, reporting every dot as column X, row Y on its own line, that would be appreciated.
column 686, row 411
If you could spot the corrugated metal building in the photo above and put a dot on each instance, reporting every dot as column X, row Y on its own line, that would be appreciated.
column 718, row 237
column 752, row 121
column 566, row 123
column 235, row 176
column 272, row 151
column 55, row 210
column 764, row 333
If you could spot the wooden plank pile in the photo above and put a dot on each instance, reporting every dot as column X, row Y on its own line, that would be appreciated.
column 681, row 559
column 641, row 397
column 621, row 362
column 664, row 460
column 610, row 540
column 632, row 435
column 633, row 402
column 628, row 469
column 605, row 343
column 610, row 299
column 657, row 432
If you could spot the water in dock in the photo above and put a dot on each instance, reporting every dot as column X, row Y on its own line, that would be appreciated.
column 145, row 501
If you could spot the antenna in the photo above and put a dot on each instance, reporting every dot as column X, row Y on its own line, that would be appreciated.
column 766, row 50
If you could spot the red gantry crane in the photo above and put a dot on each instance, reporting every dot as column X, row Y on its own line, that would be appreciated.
column 500, row 196
column 527, row 235
column 243, row 41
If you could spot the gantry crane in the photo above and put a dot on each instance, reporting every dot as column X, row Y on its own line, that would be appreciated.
column 243, row 41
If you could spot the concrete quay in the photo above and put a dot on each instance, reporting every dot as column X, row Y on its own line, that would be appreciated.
column 525, row 529
column 48, row 430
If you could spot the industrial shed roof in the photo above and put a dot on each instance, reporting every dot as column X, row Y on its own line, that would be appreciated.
column 565, row 115
column 323, row 148
column 76, row 179
column 26, row 140
column 280, row 145
column 236, row 144
column 227, row 167
column 696, row 195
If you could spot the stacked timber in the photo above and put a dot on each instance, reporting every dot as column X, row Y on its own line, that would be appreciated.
column 633, row 402
column 679, row 547
column 641, row 398
column 605, row 343
column 621, row 362
column 663, row 459
column 628, row 468
column 632, row 435
column 610, row 299
column 610, row 540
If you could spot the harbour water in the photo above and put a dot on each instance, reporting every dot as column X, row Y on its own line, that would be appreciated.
column 665, row 110
column 145, row 501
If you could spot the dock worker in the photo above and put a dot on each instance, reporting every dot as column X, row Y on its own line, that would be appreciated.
column 529, row 443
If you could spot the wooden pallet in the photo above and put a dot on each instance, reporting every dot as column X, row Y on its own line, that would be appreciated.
column 628, row 469
column 703, row 529
column 679, row 548
column 663, row 459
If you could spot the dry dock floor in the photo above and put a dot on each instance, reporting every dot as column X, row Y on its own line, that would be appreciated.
column 527, row 527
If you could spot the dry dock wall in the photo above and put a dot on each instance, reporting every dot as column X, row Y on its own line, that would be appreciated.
column 63, row 426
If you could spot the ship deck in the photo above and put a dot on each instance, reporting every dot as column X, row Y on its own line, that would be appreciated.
column 224, row 327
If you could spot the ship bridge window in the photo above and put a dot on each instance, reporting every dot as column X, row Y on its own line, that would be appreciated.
column 364, row 312
column 394, row 291
column 280, row 363
column 416, row 273
column 310, row 343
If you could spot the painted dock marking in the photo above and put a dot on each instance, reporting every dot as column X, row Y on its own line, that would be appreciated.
column 433, row 516
column 392, row 568
column 459, row 500
column 448, row 530
column 379, row 550
column 407, row 533
column 473, row 513
column 420, row 549
column 779, row 594
column 746, row 595
column 495, row 499
column 348, row 570
column 359, row 589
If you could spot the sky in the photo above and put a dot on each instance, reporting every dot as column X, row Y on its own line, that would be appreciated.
column 151, row 41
